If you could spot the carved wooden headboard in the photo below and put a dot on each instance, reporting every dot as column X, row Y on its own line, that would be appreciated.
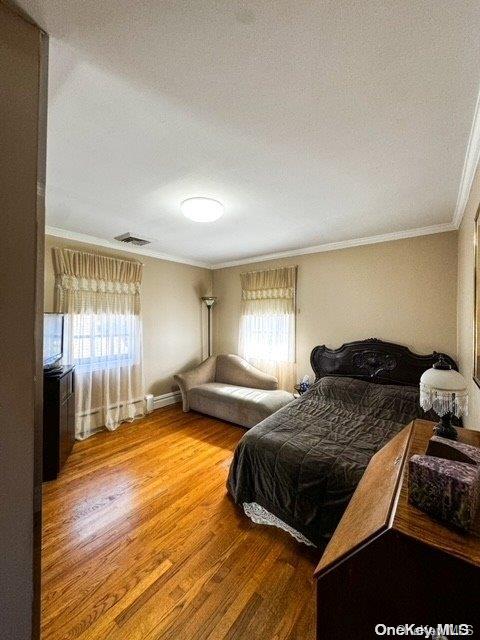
column 373, row 360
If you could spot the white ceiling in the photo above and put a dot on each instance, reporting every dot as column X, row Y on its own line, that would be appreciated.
column 313, row 121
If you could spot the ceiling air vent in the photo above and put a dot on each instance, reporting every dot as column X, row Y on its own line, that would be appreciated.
column 129, row 239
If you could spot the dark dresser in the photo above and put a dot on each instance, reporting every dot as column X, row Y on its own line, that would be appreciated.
column 388, row 563
column 58, row 419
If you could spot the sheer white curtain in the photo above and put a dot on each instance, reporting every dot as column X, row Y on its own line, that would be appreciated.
column 267, row 322
column 100, row 297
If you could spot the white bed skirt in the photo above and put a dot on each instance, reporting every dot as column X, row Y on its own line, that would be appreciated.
column 259, row 515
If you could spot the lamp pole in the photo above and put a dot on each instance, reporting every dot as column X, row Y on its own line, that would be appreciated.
column 209, row 301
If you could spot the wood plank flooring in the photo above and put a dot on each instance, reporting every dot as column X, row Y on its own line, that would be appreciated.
column 141, row 542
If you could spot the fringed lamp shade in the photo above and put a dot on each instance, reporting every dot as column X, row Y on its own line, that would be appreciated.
column 444, row 390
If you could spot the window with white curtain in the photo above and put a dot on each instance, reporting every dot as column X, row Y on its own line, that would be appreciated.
column 104, row 340
column 269, row 337
column 100, row 299
column 267, row 323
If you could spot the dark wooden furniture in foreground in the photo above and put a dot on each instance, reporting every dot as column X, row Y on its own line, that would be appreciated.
column 58, row 419
column 141, row 542
column 390, row 563
column 374, row 360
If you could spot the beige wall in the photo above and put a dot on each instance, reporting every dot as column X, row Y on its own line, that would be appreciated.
column 174, row 322
column 403, row 291
column 465, row 302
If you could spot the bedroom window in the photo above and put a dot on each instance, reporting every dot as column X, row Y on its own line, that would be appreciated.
column 104, row 340
column 99, row 297
column 267, row 324
column 269, row 337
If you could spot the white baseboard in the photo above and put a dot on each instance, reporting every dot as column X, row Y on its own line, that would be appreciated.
column 166, row 399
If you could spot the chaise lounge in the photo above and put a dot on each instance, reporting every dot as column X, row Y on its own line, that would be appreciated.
column 229, row 388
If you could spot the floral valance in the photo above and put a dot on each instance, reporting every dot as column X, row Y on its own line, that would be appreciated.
column 93, row 283
column 269, row 292
column 73, row 283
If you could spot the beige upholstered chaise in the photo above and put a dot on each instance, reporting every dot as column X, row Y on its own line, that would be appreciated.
column 229, row 388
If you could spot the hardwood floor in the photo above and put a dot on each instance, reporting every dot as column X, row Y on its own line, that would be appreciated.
column 140, row 542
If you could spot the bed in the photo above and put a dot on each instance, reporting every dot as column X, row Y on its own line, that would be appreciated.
column 298, row 469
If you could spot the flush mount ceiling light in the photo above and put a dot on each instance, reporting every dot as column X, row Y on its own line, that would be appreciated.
column 202, row 209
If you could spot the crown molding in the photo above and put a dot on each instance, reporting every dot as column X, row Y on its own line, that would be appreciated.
column 320, row 248
column 470, row 164
column 120, row 246
column 343, row 244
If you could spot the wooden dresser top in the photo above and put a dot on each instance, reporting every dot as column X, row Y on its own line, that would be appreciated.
column 380, row 504
column 415, row 523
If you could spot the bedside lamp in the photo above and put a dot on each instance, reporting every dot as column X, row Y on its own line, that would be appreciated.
column 445, row 391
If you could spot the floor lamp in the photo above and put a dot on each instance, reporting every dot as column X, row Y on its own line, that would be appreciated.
column 209, row 301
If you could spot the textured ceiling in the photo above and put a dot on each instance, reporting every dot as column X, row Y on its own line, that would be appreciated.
column 313, row 122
